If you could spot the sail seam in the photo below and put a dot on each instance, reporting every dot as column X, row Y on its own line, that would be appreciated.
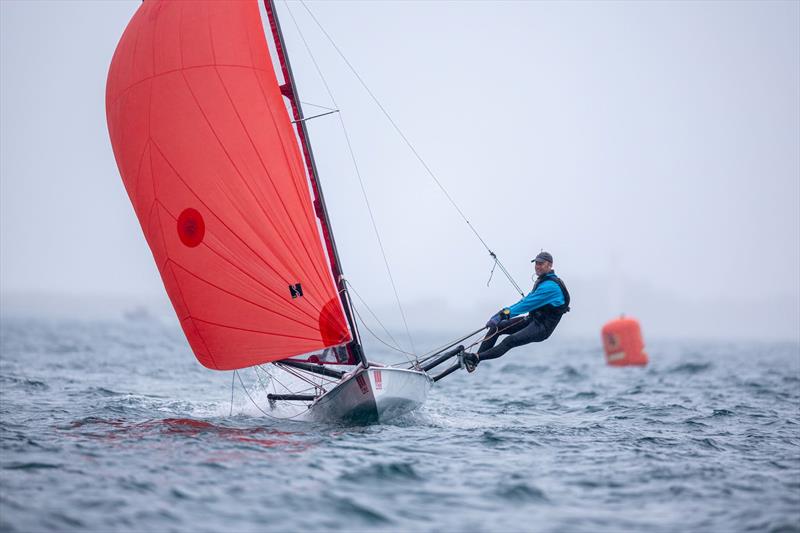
column 303, row 194
column 175, row 263
column 124, row 91
column 297, row 163
column 136, row 41
column 149, row 221
column 200, row 336
column 246, row 245
column 180, row 291
column 150, row 142
column 244, row 181
column 254, row 58
column 267, row 287
column 135, row 185
column 180, row 33
column 210, row 35
column 226, row 326
column 269, row 176
column 299, row 170
column 255, row 253
column 329, row 250
column 153, row 44
column 235, row 167
column 278, row 258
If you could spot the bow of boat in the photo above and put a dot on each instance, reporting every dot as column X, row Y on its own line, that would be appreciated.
column 372, row 395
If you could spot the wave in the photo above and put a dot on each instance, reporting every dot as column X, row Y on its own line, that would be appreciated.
column 31, row 466
column 23, row 383
column 690, row 368
column 368, row 515
column 521, row 492
column 395, row 471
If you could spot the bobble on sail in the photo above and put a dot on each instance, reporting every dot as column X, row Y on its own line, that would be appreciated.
column 211, row 164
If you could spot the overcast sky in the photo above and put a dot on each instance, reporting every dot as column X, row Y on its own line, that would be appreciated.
column 653, row 148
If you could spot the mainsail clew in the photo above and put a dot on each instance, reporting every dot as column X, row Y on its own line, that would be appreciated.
column 210, row 161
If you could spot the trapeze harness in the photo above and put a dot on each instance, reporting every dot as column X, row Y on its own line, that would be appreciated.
column 550, row 315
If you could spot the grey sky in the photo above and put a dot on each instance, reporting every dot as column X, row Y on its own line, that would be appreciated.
column 652, row 147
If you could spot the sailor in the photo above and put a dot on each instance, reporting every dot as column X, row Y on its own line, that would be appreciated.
column 544, row 305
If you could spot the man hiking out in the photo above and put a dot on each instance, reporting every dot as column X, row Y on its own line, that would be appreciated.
column 544, row 305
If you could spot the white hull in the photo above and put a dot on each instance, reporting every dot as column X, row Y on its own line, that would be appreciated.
column 373, row 395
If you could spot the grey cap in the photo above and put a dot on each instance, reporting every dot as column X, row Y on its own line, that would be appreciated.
column 542, row 257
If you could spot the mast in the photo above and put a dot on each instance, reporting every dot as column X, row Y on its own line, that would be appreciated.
column 289, row 90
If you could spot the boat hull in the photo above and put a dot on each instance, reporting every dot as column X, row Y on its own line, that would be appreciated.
column 373, row 395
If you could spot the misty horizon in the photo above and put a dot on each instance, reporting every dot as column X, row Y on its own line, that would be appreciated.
column 652, row 148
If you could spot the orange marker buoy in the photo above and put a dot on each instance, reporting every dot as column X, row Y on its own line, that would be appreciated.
column 622, row 342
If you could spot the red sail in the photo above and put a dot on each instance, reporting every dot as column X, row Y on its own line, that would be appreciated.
column 211, row 163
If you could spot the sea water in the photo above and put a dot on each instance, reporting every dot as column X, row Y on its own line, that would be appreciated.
column 111, row 426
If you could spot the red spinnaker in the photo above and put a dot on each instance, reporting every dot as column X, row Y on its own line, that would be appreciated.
column 211, row 163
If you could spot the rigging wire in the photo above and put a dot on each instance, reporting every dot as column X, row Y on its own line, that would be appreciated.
column 436, row 351
column 358, row 174
column 396, row 346
column 315, row 116
column 279, row 382
column 422, row 358
column 319, row 106
column 414, row 356
column 299, row 373
column 233, row 382
column 271, row 377
column 317, row 387
column 247, row 392
column 408, row 143
column 427, row 355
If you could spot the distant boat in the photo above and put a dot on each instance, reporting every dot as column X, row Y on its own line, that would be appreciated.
column 227, row 193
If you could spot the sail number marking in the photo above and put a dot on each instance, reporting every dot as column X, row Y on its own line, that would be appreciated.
column 362, row 383
column 296, row 290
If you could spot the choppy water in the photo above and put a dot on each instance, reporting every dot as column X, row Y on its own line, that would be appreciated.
column 106, row 426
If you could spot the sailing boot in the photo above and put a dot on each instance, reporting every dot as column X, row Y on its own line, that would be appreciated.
column 470, row 361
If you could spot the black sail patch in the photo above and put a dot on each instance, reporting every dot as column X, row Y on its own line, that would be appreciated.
column 296, row 290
